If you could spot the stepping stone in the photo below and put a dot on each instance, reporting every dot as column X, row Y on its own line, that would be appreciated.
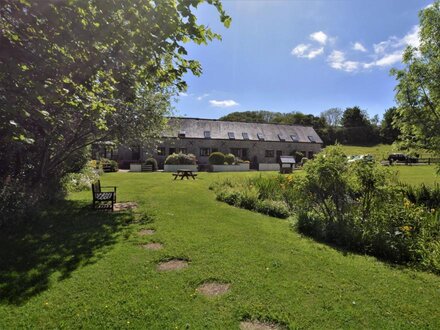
column 124, row 206
column 152, row 246
column 213, row 288
column 146, row 232
column 173, row 264
column 257, row 325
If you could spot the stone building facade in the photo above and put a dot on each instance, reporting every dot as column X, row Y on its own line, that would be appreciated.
column 258, row 143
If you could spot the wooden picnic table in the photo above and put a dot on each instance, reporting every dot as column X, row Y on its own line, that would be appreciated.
column 184, row 174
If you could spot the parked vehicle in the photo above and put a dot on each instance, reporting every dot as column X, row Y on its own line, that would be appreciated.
column 402, row 158
column 365, row 158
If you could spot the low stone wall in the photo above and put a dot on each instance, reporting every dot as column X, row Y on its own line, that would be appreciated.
column 174, row 168
column 268, row 167
column 231, row 168
column 135, row 168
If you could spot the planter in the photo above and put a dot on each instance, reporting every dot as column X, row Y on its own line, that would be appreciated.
column 268, row 167
column 231, row 168
column 135, row 168
column 174, row 168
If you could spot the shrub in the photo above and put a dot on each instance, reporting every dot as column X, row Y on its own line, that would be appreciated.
column 423, row 195
column 108, row 163
column 152, row 162
column 277, row 209
column 216, row 158
column 304, row 160
column 83, row 180
column 357, row 206
column 229, row 159
column 181, row 159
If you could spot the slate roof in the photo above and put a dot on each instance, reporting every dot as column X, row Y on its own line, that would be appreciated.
column 194, row 128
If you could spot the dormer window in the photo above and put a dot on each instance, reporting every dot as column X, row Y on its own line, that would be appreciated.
column 294, row 137
column 245, row 136
column 260, row 136
column 231, row 135
column 207, row 134
column 281, row 137
column 312, row 139
column 181, row 134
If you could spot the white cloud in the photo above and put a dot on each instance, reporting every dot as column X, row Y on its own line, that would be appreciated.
column 358, row 46
column 300, row 50
column 183, row 94
column 337, row 61
column 320, row 37
column 304, row 51
column 412, row 38
column 223, row 104
column 201, row 97
column 315, row 52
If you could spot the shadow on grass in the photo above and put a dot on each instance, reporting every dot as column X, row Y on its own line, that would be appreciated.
column 56, row 242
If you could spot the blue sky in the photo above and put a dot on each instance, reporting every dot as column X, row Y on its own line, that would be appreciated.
column 303, row 56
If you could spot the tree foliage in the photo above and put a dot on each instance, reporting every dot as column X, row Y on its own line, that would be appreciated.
column 74, row 72
column 389, row 131
column 418, row 87
column 332, row 116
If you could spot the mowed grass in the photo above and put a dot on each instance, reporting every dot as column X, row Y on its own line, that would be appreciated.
column 80, row 269
column 379, row 151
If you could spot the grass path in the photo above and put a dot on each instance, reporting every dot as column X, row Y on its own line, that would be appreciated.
column 275, row 274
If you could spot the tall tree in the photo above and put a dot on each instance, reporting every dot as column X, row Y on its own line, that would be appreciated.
column 389, row 131
column 355, row 117
column 332, row 116
column 418, row 86
column 73, row 72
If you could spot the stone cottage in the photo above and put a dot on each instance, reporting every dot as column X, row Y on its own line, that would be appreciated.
column 258, row 143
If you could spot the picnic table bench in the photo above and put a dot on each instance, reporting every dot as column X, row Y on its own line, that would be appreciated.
column 184, row 174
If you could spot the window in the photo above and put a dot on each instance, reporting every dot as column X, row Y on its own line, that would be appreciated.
column 236, row 152
column 207, row 134
column 161, row 151
column 231, row 135
column 281, row 137
column 311, row 154
column 171, row 151
column 183, row 150
column 205, row 151
column 181, row 134
column 245, row 136
column 214, row 149
column 269, row 153
column 312, row 139
column 294, row 137
column 260, row 136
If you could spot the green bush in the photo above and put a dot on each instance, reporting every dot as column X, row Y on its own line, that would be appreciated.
column 357, row 206
column 277, row 209
column 83, row 180
column 152, row 162
column 111, row 164
column 423, row 195
column 181, row 159
column 229, row 159
column 216, row 158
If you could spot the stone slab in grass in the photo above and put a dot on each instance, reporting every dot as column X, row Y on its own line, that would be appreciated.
column 125, row 206
column 146, row 232
column 172, row 264
column 152, row 246
column 257, row 325
column 213, row 288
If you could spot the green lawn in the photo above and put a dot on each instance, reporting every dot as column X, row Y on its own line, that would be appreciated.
column 74, row 268
column 379, row 151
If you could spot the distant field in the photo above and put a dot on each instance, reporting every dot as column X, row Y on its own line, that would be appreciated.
column 379, row 151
